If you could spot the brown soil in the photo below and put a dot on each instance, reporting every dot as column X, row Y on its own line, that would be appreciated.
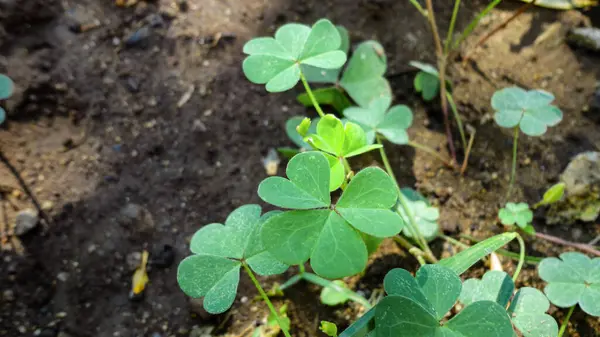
column 95, row 126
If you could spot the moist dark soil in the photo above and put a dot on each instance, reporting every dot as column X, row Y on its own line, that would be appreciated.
column 101, row 130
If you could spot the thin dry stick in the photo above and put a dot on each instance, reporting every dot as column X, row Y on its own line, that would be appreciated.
column 581, row 246
column 498, row 28
column 439, row 50
column 467, row 153
column 24, row 186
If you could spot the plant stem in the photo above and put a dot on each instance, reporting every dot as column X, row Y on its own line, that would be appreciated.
column 581, row 246
column 290, row 282
column 451, row 28
column 565, row 322
column 463, row 168
column 430, row 151
column 459, row 122
column 311, row 96
column 503, row 252
column 416, row 252
column 521, row 258
column 301, row 268
column 513, row 171
column 418, row 237
column 474, row 23
column 419, row 7
column 266, row 299
column 441, row 58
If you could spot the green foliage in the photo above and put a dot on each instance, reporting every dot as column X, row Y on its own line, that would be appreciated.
column 415, row 307
column 427, row 81
column 322, row 75
column 213, row 272
column 283, row 318
column 527, row 308
column 572, row 279
column 6, row 90
column 327, row 96
column 530, row 110
column 552, row 195
column 425, row 216
column 276, row 61
column 328, row 328
column 468, row 257
column 334, row 294
column 339, row 142
column 518, row 214
column 327, row 234
column 376, row 118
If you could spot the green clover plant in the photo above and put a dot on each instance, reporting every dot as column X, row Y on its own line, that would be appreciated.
column 327, row 234
column 518, row 214
column 416, row 307
column 530, row 111
column 335, row 294
column 425, row 215
column 552, row 195
column 213, row 272
column 379, row 118
column 276, row 61
column 527, row 308
column 6, row 90
column 573, row 279
column 427, row 80
column 291, row 130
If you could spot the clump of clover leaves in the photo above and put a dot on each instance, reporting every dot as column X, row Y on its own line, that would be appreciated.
column 362, row 79
column 519, row 214
column 426, row 216
column 327, row 234
column 527, row 308
column 379, row 118
column 6, row 90
column 277, row 61
column 573, row 279
column 213, row 272
column 416, row 306
column 530, row 111
column 338, row 142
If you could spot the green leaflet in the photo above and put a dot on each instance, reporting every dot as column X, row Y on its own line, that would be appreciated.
column 329, row 236
column 572, row 279
column 214, row 271
column 528, row 312
column 495, row 286
column 276, row 61
column 331, row 295
column 376, row 118
column 518, row 214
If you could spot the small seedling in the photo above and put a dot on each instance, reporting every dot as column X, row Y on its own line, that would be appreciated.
column 328, row 234
column 427, row 81
column 6, row 90
column 276, row 61
column 328, row 328
column 213, row 272
column 426, row 216
column 518, row 214
column 530, row 111
column 573, row 279
column 379, row 118
column 291, row 129
column 527, row 308
column 333, row 295
column 552, row 195
column 339, row 142
column 416, row 307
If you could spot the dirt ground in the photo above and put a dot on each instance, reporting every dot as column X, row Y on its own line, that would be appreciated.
column 97, row 130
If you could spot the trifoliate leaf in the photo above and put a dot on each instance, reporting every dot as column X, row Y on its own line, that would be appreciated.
column 530, row 110
column 528, row 311
column 415, row 306
column 6, row 87
column 321, row 75
column 328, row 236
column 363, row 78
column 331, row 295
column 572, row 279
column 213, row 272
column 519, row 214
column 276, row 61
column 376, row 118
column 552, row 195
column 425, row 216
column 328, row 328
column 495, row 286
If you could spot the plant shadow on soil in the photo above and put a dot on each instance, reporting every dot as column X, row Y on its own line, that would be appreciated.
column 193, row 165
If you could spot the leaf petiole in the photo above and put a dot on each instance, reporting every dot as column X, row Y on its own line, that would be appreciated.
column 521, row 258
column 266, row 299
column 311, row 95
column 513, row 171
column 565, row 322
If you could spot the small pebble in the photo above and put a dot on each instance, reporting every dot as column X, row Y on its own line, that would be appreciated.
column 25, row 221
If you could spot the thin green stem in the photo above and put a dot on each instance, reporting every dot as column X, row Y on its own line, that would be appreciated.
column 416, row 252
column 346, row 166
column 474, row 23
column 430, row 151
column 513, row 171
column 292, row 281
column 412, row 223
column 451, row 28
column 565, row 322
column 311, row 96
column 419, row 7
column 458, row 119
column 266, row 299
column 301, row 268
column 521, row 258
